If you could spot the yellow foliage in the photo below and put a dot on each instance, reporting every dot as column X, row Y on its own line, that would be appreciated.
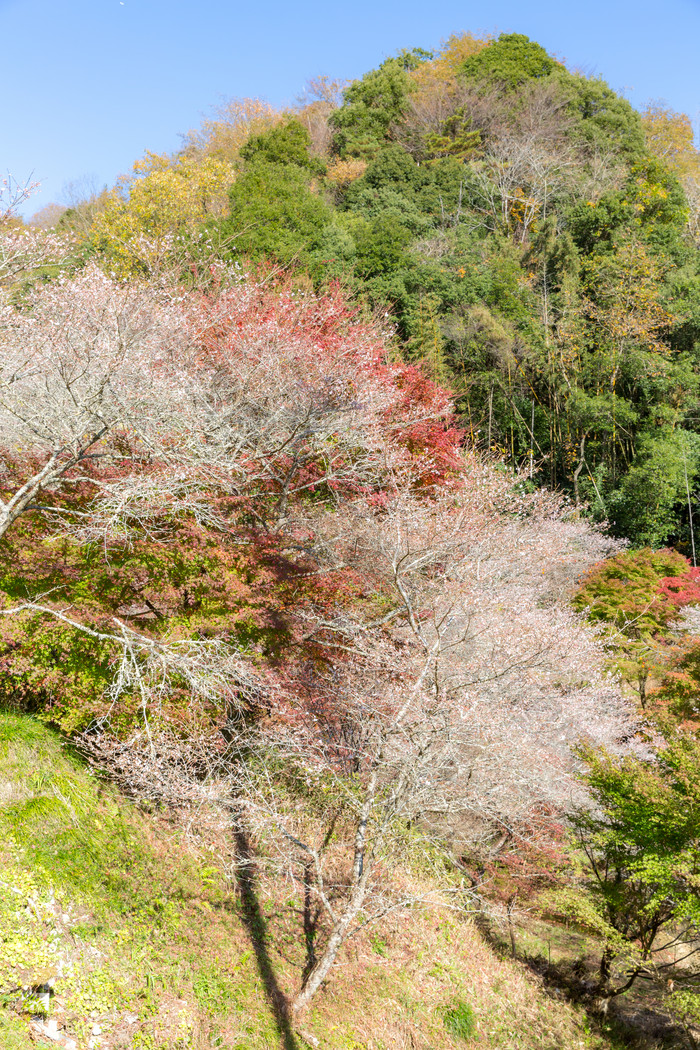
column 436, row 87
column 450, row 58
column 158, row 200
column 627, row 310
column 150, row 162
column 343, row 172
column 233, row 123
column 669, row 136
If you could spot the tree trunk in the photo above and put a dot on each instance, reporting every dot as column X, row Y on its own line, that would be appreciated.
column 511, row 928
column 579, row 468
column 323, row 966
column 643, row 679
column 605, row 989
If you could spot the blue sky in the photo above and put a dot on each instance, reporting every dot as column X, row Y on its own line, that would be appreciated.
column 90, row 84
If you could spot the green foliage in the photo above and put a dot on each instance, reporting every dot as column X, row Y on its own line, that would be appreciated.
column 49, row 666
column 652, row 495
column 214, row 990
column 459, row 1020
column 457, row 138
column 643, row 842
column 659, row 202
column 650, row 823
column 187, row 581
column 53, row 813
column 372, row 105
column 379, row 946
column 531, row 248
column 380, row 247
column 275, row 213
column 624, row 591
column 14, row 1035
column 651, row 201
column 562, row 329
column 511, row 315
column 595, row 224
column 601, row 116
column 286, row 143
column 416, row 195
column 276, row 209
column 508, row 62
column 633, row 597
column 684, row 1007
column 93, row 896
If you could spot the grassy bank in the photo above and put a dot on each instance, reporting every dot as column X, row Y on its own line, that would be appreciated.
column 148, row 944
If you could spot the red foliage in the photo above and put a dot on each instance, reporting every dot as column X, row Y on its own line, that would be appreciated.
column 319, row 354
column 436, row 434
column 529, row 857
column 683, row 589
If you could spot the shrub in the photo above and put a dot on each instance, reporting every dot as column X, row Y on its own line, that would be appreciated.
column 459, row 1020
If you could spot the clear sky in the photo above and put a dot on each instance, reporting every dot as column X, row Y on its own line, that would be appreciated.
column 88, row 85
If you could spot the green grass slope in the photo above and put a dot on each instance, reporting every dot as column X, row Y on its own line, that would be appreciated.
column 148, row 944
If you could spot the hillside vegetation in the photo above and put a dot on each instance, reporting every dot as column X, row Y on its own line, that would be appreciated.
column 534, row 237
column 152, row 946
column 328, row 680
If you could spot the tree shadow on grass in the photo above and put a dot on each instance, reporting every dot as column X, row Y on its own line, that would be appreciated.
column 254, row 921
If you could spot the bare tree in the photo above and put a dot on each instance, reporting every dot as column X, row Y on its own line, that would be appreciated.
column 27, row 250
column 452, row 704
column 83, row 198
column 691, row 185
column 48, row 216
column 90, row 359
column 14, row 193
column 528, row 160
column 232, row 123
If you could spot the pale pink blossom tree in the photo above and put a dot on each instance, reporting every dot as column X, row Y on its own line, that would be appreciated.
column 443, row 681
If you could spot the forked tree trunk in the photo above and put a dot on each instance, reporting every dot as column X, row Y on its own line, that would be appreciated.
column 325, row 963
column 361, row 867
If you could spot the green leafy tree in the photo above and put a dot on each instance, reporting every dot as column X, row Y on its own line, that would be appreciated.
column 286, row 143
column 684, row 1008
column 642, row 843
column 652, row 496
column 362, row 125
column 275, row 213
column 629, row 597
column 602, row 119
column 509, row 61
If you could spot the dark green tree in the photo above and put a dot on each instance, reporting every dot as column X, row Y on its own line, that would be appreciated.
column 362, row 125
column 508, row 62
column 276, row 214
column 286, row 143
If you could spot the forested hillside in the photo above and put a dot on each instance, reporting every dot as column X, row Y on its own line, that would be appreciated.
column 534, row 237
column 323, row 653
